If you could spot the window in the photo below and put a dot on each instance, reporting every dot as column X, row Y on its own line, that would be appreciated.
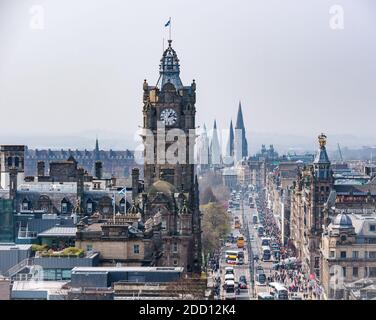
column 372, row 272
column 372, row 254
column 332, row 254
column 89, row 207
column 25, row 205
column 136, row 249
column 89, row 247
column 372, row 227
column 16, row 162
column 164, row 224
column 343, row 255
column 175, row 262
column 10, row 161
column 355, row 271
column 344, row 272
column 175, row 247
column 355, row 254
column 64, row 207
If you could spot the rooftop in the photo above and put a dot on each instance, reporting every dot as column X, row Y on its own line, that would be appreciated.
column 127, row 269
column 59, row 232
column 13, row 246
column 64, row 187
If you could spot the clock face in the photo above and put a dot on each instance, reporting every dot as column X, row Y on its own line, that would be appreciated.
column 169, row 117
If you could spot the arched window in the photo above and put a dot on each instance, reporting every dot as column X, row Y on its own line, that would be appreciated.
column 10, row 162
column 16, row 162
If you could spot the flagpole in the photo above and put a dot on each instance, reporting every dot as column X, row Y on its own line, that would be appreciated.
column 114, row 207
column 125, row 198
column 169, row 27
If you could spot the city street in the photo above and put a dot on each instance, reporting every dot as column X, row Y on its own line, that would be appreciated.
column 295, row 283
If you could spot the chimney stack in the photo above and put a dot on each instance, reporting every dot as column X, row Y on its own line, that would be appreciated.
column 40, row 168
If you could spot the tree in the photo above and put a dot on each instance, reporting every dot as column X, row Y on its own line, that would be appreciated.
column 216, row 225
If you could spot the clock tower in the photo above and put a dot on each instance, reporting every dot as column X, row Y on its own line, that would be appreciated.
column 170, row 105
column 170, row 187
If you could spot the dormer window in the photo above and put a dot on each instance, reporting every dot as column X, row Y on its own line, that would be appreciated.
column 25, row 205
column 64, row 207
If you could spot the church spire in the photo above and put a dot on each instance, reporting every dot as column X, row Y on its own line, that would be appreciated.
column 96, row 150
column 215, row 149
column 239, row 118
column 241, row 144
column 230, row 142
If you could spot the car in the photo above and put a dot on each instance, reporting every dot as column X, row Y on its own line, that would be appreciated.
column 259, row 270
column 229, row 270
column 229, row 276
column 243, row 279
column 256, row 257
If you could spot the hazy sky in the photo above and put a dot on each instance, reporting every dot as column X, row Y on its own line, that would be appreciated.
column 82, row 74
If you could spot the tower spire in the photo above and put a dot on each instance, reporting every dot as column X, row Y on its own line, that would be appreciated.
column 230, row 143
column 96, row 150
column 241, row 144
column 215, row 150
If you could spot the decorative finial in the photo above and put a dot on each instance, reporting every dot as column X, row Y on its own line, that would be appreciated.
column 322, row 140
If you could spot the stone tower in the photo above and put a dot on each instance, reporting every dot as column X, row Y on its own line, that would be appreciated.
column 169, row 186
column 322, row 184
column 12, row 159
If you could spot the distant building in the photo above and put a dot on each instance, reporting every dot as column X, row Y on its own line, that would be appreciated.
column 115, row 163
column 230, row 178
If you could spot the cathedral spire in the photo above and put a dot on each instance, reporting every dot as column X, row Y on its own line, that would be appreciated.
column 230, row 142
column 240, row 144
column 215, row 149
column 239, row 118
column 96, row 150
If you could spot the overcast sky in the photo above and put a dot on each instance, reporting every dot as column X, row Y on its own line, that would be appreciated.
column 82, row 74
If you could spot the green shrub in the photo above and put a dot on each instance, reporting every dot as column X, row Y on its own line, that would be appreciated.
column 38, row 248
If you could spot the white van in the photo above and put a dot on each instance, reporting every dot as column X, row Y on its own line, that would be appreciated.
column 230, row 290
column 229, row 276
column 229, row 270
